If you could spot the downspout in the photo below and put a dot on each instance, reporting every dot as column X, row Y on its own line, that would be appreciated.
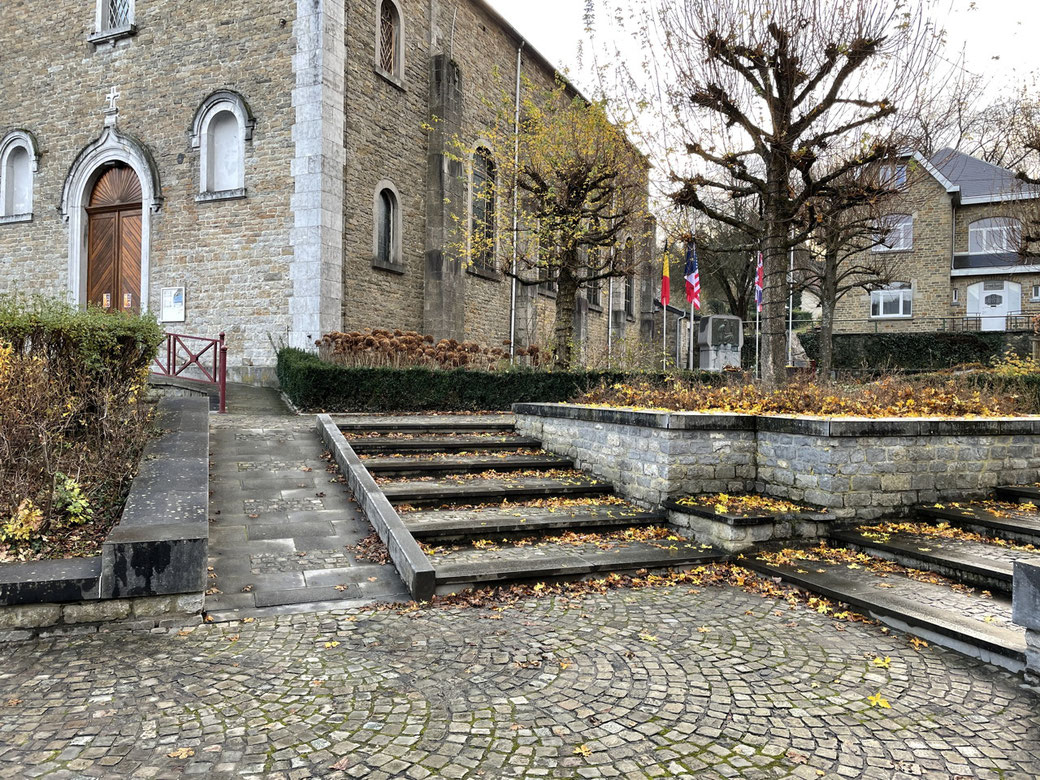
column 516, row 208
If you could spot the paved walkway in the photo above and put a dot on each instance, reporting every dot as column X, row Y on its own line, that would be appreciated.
column 689, row 683
column 280, row 526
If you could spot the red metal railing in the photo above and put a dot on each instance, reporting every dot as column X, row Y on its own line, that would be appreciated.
column 186, row 357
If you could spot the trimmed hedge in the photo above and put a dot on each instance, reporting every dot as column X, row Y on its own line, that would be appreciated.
column 109, row 347
column 316, row 385
column 914, row 351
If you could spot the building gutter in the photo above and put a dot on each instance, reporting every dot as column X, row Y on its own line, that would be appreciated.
column 516, row 206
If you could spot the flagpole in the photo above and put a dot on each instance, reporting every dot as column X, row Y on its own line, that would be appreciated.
column 664, row 336
column 758, row 370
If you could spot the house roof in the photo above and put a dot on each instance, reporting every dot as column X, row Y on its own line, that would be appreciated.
column 979, row 181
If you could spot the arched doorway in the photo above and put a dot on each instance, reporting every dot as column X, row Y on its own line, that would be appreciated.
column 114, row 240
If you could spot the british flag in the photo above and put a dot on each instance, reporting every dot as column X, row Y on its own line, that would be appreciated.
column 693, row 277
column 760, row 282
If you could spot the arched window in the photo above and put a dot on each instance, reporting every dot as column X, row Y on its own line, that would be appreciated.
column 220, row 131
column 17, row 164
column 390, row 59
column 994, row 235
column 386, row 235
column 482, row 221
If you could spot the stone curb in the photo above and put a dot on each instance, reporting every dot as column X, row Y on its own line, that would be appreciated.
column 409, row 559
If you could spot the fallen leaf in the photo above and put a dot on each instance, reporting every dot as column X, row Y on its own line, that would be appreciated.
column 181, row 753
column 877, row 700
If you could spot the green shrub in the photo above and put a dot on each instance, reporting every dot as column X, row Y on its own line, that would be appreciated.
column 912, row 351
column 73, row 423
column 110, row 347
column 313, row 384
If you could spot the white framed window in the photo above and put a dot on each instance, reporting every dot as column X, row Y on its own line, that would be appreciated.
column 956, row 296
column 222, row 127
column 390, row 40
column 994, row 235
column 892, row 301
column 483, row 207
column 113, row 19
column 18, row 162
column 895, row 233
column 1035, row 295
column 387, row 246
column 893, row 176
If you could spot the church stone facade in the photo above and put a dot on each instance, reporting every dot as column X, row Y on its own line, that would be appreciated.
column 290, row 181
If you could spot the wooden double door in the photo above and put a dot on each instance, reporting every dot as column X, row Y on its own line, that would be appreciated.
column 114, row 241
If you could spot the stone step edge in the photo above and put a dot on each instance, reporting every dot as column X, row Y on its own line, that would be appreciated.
column 370, row 447
column 997, row 571
column 1009, row 527
column 446, row 466
column 412, row 427
column 1018, row 491
column 457, row 528
column 993, row 640
column 561, row 568
column 448, row 494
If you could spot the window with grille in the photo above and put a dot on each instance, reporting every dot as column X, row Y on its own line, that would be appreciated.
column 482, row 223
column 118, row 13
column 389, row 39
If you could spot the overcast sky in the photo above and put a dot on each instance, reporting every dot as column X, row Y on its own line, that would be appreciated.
column 1001, row 38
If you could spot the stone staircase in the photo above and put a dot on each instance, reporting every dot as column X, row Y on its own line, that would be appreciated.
column 945, row 576
column 490, row 506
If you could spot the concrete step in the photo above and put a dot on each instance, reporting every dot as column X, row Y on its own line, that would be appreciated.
column 961, row 621
column 988, row 566
column 458, row 571
column 513, row 519
column 435, row 466
column 1015, row 525
column 482, row 490
column 378, row 445
column 450, row 423
column 1018, row 493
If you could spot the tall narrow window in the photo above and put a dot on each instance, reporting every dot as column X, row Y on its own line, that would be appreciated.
column 220, row 131
column 385, row 229
column 390, row 59
column 482, row 226
column 387, row 246
column 630, row 278
column 17, row 162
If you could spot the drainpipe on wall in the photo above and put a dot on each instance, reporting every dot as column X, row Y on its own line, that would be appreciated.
column 516, row 209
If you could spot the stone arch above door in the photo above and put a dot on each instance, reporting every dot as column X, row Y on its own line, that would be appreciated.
column 91, row 163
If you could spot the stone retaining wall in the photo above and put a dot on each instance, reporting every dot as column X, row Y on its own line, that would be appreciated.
column 152, row 568
column 856, row 468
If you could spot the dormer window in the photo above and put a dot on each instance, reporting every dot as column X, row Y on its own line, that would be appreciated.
column 114, row 19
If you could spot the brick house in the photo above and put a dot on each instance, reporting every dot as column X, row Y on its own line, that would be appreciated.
column 953, row 236
column 269, row 162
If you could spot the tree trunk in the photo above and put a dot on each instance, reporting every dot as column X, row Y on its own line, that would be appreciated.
column 563, row 329
column 774, row 365
column 828, row 300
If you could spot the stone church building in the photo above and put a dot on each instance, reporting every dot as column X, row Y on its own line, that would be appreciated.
column 267, row 169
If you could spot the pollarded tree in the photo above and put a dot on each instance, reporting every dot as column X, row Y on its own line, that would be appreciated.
column 582, row 187
column 761, row 89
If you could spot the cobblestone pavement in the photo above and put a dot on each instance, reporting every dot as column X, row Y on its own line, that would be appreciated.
column 680, row 682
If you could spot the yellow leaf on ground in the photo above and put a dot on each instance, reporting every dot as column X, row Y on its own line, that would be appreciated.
column 877, row 700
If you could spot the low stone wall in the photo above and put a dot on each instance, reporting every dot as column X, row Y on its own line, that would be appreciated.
column 405, row 553
column 152, row 567
column 855, row 468
column 1026, row 612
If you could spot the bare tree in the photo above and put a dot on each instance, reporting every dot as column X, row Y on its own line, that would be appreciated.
column 762, row 89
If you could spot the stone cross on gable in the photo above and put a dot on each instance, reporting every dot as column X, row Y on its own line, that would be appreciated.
column 111, row 109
